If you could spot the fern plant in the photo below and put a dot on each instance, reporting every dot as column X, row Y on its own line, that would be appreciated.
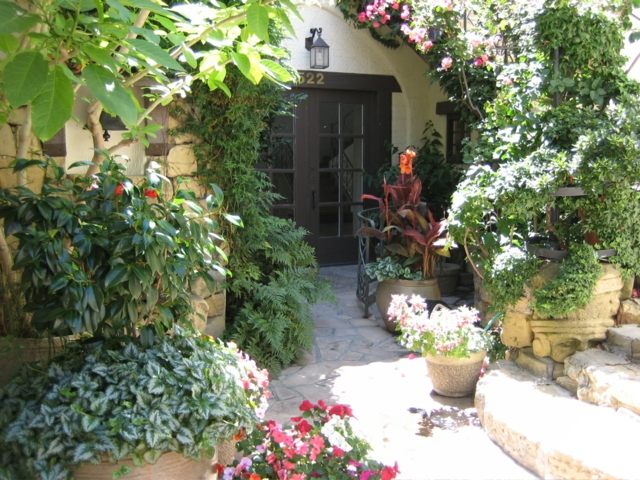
column 274, row 271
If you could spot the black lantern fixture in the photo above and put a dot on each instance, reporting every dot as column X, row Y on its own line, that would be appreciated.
column 109, row 122
column 318, row 50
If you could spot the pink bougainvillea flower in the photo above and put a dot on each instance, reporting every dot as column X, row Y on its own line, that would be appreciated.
column 446, row 63
column 362, row 17
column 366, row 475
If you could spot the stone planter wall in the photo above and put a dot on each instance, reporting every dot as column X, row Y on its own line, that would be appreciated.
column 560, row 337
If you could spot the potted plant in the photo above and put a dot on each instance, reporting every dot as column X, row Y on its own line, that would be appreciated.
column 114, row 263
column 453, row 346
column 116, row 407
column 411, row 237
column 320, row 443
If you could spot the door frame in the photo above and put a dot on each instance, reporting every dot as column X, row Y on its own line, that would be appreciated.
column 382, row 87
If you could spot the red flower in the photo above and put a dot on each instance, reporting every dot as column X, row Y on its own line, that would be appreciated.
column 150, row 193
column 389, row 473
column 306, row 406
column 303, row 427
column 219, row 468
column 341, row 411
column 119, row 190
column 253, row 476
column 322, row 405
column 338, row 452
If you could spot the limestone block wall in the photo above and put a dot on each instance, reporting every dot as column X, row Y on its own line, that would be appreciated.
column 9, row 134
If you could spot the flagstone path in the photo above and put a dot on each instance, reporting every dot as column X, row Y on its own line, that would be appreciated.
column 357, row 362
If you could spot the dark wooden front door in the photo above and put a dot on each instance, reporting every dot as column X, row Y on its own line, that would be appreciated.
column 319, row 159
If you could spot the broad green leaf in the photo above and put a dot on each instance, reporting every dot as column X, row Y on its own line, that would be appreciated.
column 24, row 77
column 189, row 56
column 80, row 5
column 114, row 97
column 155, row 53
column 234, row 219
column 291, row 8
column 282, row 16
column 258, row 21
column 100, row 56
column 244, row 64
column 53, row 107
column 276, row 70
column 14, row 19
column 8, row 43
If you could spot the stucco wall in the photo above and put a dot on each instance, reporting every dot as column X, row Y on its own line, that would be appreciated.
column 355, row 51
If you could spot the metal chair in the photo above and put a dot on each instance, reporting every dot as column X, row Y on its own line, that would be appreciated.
column 367, row 249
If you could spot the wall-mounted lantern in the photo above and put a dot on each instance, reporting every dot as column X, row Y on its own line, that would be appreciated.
column 109, row 122
column 318, row 50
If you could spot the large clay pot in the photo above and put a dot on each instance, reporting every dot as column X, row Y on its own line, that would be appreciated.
column 427, row 289
column 455, row 377
column 170, row 466
column 14, row 352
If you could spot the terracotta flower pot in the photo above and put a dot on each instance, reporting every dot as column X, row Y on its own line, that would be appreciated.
column 427, row 289
column 455, row 377
column 170, row 466
column 14, row 352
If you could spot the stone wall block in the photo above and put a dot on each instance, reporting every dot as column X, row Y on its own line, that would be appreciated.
column 200, row 312
column 181, row 161
column 629, row 312
column 516, row 331
column 217, row 304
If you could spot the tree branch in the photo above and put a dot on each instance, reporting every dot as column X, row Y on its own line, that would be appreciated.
column 24, row 141
column 95, row 128
column 472, row 106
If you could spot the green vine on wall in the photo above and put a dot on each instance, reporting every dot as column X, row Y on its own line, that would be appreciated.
column 274, row 272
column 573, row 287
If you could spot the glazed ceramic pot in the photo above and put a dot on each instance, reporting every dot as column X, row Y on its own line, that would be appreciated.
column 428, row 289
column 455, row 377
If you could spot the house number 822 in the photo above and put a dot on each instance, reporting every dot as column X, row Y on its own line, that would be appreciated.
column 311, row 78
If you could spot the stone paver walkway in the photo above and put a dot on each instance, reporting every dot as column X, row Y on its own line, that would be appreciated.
column 357, row 362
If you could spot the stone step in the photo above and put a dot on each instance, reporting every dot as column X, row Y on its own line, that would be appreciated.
column 554, row 435
column 604, row 378
column 625, row 341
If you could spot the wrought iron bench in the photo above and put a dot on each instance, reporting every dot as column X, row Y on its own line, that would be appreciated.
column 368, row 247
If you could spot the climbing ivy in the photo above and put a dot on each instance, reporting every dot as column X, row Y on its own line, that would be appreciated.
column 573, row 287
column 274, row 272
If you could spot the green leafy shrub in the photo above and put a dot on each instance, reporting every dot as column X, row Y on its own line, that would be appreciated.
column 104, row 256
column 511, row 270
column 572, row 287
column 274, row 270
column 389, row 267
column 184, row 393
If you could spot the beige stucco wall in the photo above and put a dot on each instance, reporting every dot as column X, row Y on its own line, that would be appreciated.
column 355, row 51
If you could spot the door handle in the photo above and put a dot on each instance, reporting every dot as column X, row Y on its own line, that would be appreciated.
column 313, row 199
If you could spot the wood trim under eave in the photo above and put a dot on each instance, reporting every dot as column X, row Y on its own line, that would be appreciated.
column 348, row 81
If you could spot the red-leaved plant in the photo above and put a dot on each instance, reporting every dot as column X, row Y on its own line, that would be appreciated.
column 320, row 443
column 407, row 227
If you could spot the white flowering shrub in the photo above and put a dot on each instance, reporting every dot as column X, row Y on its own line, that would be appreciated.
column 450, row 333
